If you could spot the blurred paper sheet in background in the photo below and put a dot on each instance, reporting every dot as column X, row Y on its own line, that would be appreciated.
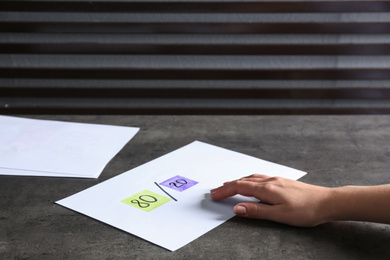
column 33, row 147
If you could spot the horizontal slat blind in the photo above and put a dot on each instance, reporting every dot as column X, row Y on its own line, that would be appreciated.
column 195, row 57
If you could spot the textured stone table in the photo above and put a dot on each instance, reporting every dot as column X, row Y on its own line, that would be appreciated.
column 334, row 150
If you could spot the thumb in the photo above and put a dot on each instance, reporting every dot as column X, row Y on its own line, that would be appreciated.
column 252, row 210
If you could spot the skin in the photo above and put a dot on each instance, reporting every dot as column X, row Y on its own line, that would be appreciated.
column 300, row 204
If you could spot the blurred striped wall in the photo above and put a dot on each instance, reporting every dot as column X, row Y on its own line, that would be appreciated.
column 194, row 57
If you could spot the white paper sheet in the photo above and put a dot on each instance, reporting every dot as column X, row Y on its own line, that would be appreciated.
column 32, row 147
column 134, row 203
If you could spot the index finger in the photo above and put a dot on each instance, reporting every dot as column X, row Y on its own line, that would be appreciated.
column 245, row 188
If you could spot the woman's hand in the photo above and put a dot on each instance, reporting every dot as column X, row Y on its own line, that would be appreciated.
column 300, row 204
column 287, row 201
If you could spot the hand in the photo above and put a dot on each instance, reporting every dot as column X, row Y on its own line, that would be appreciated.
column 290, row 202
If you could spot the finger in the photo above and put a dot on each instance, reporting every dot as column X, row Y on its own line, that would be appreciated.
column 258, row 179
column 228, row 188
column 253, row 177
column 245, row 188
column 258, row 176
column 219, row 193
column 256, row 211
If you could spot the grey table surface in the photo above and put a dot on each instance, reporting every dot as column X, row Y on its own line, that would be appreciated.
column 334, row 150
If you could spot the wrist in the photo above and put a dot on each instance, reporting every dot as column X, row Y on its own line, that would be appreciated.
column 345, row 203
column 330, row 204
column 334, row 204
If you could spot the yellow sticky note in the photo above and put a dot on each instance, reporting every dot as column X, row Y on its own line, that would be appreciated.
column 146, row 200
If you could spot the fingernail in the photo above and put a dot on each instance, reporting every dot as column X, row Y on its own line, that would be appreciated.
column 240, row 210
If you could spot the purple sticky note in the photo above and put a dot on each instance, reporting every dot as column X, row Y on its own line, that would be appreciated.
column 179, row 183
